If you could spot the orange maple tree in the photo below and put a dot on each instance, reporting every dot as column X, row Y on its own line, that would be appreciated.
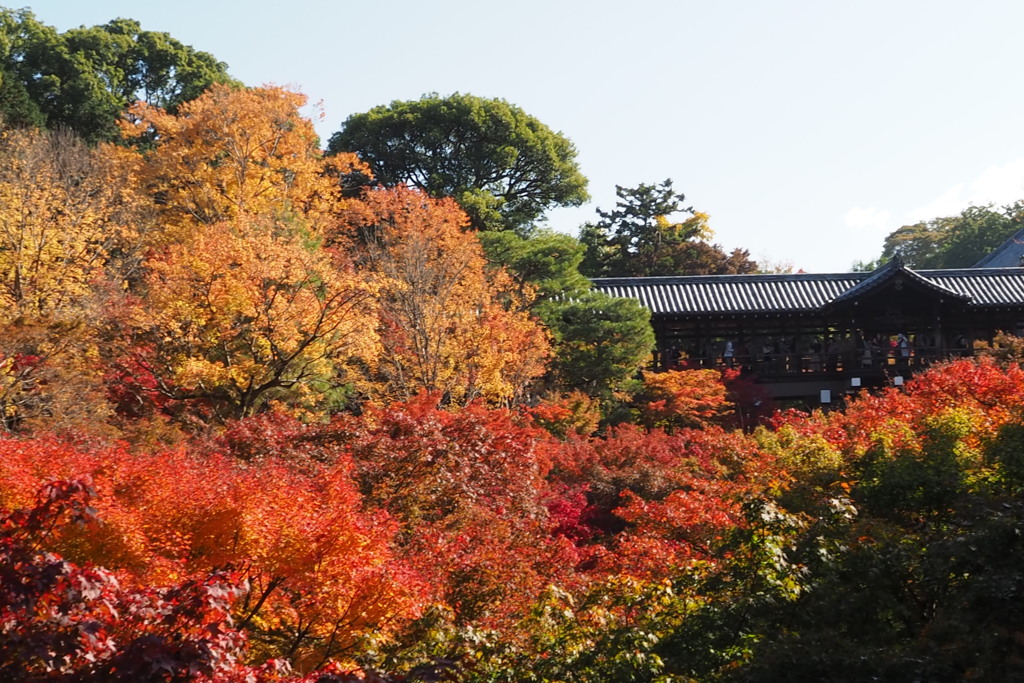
column 447, row 325
column 248, row 313
column 319, row 566
column 236, row 152
column 682, row 398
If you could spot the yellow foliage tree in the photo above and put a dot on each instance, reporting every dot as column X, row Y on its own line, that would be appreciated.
column 70, row 222
column 236, row 152
column 241, row 307
column 65, row 211
column 446, row 326
column 246, row 313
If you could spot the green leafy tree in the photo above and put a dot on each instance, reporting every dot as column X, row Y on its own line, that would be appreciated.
column 640, row 238
column 546, row 260
column 19, row 30
column 979, row 230
column 601, row 341
column 918, row 244
column 16, row 107
column 84, row 78
column 955, row 241
column 504, row 167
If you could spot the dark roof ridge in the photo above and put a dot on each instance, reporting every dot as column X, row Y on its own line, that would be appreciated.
column 782, row 277
column 769, row 277
column 971, row 271
column 784, row 292
column 889, row 271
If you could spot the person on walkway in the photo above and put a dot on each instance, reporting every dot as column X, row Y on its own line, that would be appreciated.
column 903, row 350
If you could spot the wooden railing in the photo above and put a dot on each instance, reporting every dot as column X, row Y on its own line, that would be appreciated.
column 847, row 363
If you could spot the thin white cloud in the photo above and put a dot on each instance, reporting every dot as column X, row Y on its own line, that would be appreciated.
column 1002, row 184
column 867, row 227
column 868, row 219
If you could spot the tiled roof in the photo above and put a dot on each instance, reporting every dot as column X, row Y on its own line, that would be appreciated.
column 985, row 286
column 1010, row 253
column 799, row 292
column 887, row 273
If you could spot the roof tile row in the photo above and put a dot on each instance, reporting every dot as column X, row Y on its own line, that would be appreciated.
column 719, row 294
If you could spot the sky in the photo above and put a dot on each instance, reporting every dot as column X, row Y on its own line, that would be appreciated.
column 808, row 131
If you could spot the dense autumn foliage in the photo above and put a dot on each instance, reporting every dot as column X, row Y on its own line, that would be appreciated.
column 447, row 325
column 682, row 398
column 471, row 484
column 68, row 211
column 413, row 536
column 235, row 152
column 219, row 267
column 71, row 621
column 244, row 313
column 318, row 568
column 70, row 217
column 261, row 425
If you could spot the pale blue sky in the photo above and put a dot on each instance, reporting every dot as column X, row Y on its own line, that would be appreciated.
column 807, row 130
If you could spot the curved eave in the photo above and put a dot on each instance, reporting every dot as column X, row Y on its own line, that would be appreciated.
column 891, row 273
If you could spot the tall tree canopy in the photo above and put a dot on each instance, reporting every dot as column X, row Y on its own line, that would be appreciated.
column 258, row 311
column 84, row 78
column 245, row 313
column 234, row 152
column 504, row 167
column 955, row 241
column 71, row 218
column 447, row 325
column 640, row 238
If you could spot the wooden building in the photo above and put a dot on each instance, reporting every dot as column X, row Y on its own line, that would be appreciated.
column 803, row 333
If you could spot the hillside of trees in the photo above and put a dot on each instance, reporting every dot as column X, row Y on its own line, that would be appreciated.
column 270, row 413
